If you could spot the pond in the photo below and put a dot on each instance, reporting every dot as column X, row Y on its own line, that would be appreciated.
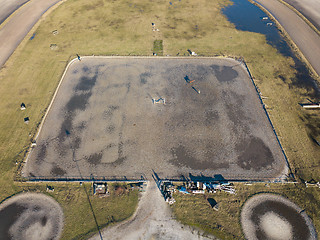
column 248, row 17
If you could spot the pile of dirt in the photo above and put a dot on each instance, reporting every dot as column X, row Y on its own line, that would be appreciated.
column 30, row 216
column 270, row 216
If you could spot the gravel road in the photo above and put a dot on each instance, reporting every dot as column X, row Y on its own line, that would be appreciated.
column 152, row 220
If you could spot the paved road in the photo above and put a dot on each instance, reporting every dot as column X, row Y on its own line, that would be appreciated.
column 152, row 220
column 309, row 8
column 7, row 7
column 14, row 31
column 307, row 40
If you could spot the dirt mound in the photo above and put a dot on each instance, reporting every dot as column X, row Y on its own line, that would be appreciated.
column 270, row 216
column 30, row 216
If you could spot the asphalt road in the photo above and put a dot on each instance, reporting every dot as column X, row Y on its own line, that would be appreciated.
column 14, row 31
column 307, row 40
column 7, row 7
column 309, row 8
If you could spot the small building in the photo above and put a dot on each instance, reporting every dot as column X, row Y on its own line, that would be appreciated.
column 100, row 188
column 213, row 203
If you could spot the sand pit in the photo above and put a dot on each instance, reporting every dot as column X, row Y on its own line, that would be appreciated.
column 108, row 119
column 30, row 216
column 270, row 216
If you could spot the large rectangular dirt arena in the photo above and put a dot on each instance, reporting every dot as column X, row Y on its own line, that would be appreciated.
column 105, row 121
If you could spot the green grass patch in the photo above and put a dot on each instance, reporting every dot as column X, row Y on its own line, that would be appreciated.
column 158, row 47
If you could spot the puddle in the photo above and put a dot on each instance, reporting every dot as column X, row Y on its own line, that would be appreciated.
column 285, row 212
column 248, row 17
column 32, row 37
column 8, row 216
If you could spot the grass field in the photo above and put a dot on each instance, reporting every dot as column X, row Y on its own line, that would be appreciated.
column 79, row 222
column 195, row 210
column 101, row 27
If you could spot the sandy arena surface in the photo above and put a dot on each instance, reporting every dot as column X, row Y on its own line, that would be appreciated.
column 270, row 216
column 103, row 122
column 30, row 216
column 309, row 8
column 14, row 31
column 152, row 220
column 307, row 40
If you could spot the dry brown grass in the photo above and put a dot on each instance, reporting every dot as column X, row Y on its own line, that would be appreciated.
column 123, row 27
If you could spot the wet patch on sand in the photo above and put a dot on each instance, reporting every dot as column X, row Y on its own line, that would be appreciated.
column 291, row 220
column 144, row 77
column 8, row 216
column 30, row 216
column 95, row 158
column 211, row 116
column 109, row 112
column 270, row 216
column 86, row 83
column 110, row 129
column 57, row 171
column 78, row 102
column 255, row 154
column 42, row 153
column 183, row 157
column 225, row 73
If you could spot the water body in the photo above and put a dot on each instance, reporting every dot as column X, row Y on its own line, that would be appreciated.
column 248, row 17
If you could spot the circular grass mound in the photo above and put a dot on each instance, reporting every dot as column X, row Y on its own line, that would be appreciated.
column 30, row 216
column 270, row 216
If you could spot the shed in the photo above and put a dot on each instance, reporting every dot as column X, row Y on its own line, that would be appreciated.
column 213, row 203
column 99, row 188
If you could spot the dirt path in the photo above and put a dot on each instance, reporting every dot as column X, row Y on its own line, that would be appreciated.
column 13, row 32
column 152, row 220
column 307, row 40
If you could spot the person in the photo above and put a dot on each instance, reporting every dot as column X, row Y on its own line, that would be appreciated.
column 78, row 57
